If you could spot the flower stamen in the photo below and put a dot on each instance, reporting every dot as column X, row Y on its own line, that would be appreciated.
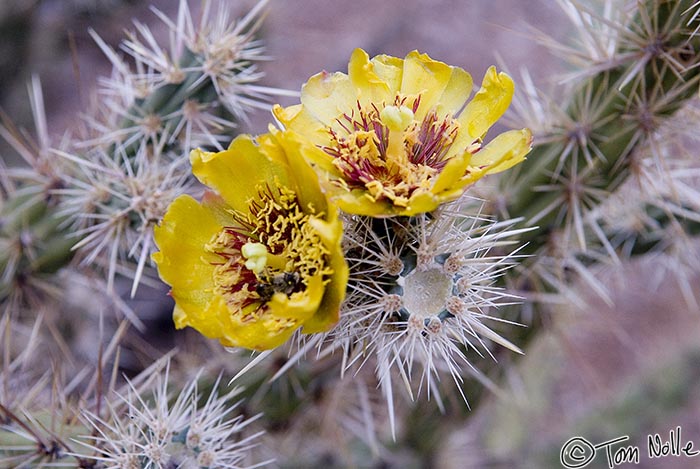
column 274, row 249
column 389, row 152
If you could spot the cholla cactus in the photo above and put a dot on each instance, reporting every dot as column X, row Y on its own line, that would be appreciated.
column 49, row 421
column 423, row 290
column 32, row 244
column 113, row 183
column 634, row 68
column 619, row 125
column 39, row 414
column 261, row 258
column 150, row 114
column 155, row 431
column 658, row 209
column 643, row 69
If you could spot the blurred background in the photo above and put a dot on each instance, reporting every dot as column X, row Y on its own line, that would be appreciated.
column 50, row 38
column 600, row 370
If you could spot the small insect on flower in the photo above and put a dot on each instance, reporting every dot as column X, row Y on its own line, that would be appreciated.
column 393, row 138
column 260, row 259
column 286, row 283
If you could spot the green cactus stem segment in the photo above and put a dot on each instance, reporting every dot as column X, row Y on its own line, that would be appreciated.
column 34, row 242
column 426, row 292
column 623, row 121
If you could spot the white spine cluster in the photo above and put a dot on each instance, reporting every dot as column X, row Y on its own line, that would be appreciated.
column 633, row 64
column 170, row 427
column 422, row 298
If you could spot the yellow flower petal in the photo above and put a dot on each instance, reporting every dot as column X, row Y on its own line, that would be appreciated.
column 421, row 203
column 487, row 105
column 504, row 151
column 287, row 115
column 217, row 207
column 265, row 333
column 236, row 172
column 370, row 86
column 323, row 93
column 389, row 69
column 291, row 150
column 451, row 174
column 328, row 312
column 357, row 203
column 185, row 265
column 456, row 92
column 207, row 318
column 298, row 119
column 425, row 77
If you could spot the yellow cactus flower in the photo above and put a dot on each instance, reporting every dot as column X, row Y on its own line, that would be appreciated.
column 261, row 257
column 396, row 136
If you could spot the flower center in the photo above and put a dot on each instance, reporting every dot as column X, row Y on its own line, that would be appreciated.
column 389, row 152
column 271, row 249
